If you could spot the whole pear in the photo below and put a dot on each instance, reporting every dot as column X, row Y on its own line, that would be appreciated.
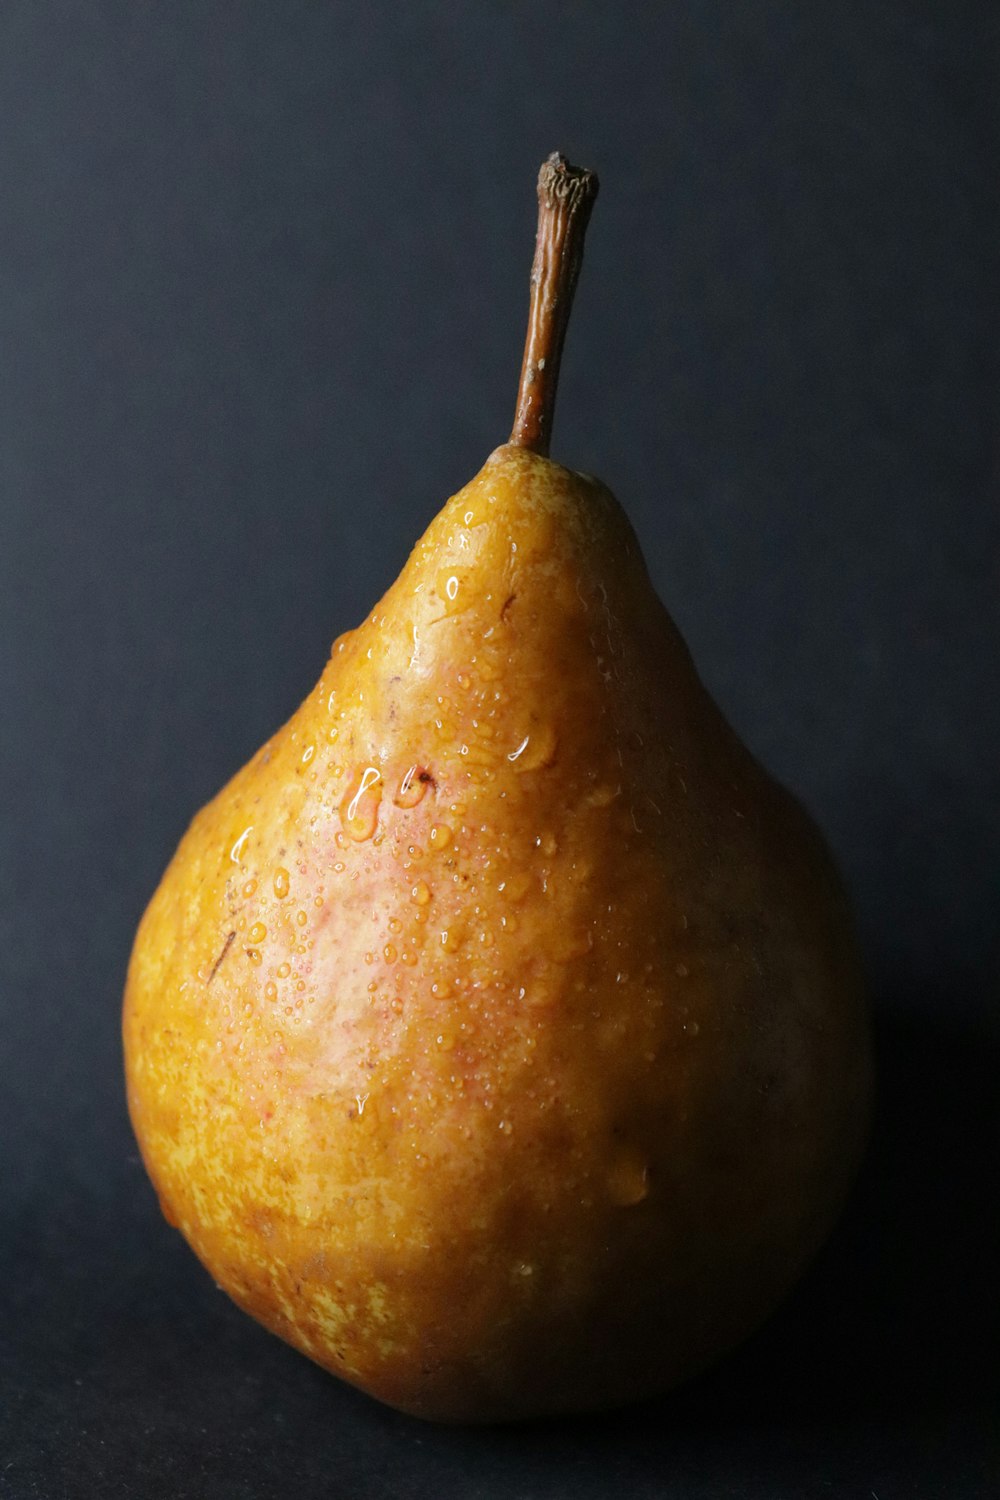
column 496, row 1036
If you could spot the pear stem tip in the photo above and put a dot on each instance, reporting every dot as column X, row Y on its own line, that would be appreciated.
column 566, row 196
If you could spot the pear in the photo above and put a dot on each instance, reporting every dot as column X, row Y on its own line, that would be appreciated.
column 496, row 1036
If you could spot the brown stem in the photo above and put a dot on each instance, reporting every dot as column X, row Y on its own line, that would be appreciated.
column 565, row 197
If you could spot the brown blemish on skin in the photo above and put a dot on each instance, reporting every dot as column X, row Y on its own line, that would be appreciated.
column 225, row 949
column 507, row 604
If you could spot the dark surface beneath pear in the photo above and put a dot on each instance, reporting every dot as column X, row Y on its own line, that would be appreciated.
column 879, row 1368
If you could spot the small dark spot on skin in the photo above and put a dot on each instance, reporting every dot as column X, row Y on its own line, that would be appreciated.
column 507, row 604
column 225, row 949
column 426, row 776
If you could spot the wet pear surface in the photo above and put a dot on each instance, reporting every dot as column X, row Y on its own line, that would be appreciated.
column 495, row 1036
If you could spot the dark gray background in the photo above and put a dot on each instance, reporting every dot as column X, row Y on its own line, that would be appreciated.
column 263, row 275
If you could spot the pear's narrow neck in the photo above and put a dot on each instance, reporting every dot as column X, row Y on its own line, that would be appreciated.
column 565, row 198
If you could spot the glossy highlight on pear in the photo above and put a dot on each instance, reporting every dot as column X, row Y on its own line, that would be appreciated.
column 496, row 1036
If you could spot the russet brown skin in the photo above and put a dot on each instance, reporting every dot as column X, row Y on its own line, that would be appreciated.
column 496, row 1036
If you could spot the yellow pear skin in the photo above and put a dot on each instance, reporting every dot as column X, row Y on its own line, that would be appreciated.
column 496, row 1037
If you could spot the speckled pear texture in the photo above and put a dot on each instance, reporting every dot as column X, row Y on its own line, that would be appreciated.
column 496, row 1036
